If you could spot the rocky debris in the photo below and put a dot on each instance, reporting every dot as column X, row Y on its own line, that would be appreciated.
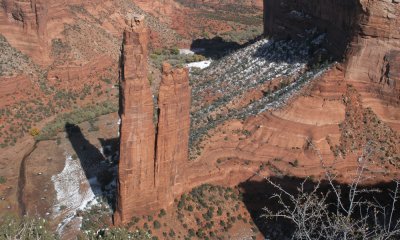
column 12, row 61
column 362, row 128
column 148, row 168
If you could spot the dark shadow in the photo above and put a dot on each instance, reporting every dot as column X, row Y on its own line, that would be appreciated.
column 100, row 168
column 217, row 47
column 258, row 195
column 309, row 50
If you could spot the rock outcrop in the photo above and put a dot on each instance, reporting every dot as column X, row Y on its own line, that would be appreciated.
column 173, row 130
column 351, row 104
column 336, row 18
column 137, row 143
column 24, row 24
column 363, row 33
column 31, row 15
column 149, row 158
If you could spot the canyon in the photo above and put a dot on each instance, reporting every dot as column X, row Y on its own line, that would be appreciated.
column 318, row 90
column 61, row 56
column 328, row 114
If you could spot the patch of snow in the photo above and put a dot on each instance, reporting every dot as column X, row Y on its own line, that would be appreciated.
column 73, row 191
column 119, row 123
column 201, row 65
column 186, row 52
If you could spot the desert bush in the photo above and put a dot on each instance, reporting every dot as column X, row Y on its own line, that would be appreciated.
column 162, row 213
column 341, row 212
column 156, row 224
column 25, row 229
column 34, row 132
column 75, row 117
column 3, row 180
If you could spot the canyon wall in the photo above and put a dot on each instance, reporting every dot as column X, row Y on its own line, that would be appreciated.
column 352, row 106
column 24, row 23
column 151, row 157
column 31, row 15
column 365, row 34
column 153, row 163
column 337, row 18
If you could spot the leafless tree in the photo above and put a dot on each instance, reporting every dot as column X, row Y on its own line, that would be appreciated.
column 350, row 212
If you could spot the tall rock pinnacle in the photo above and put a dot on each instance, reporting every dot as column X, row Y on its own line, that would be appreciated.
column 173, row 129
column 135, row 186
column 148, row 169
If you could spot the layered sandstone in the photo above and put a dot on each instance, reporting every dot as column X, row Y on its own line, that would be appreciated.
column 24, row 24
column 137, row 143
column 150, row 158
column 373, row 57
column 321, row 117
column 173, row 130
column 363, row 33
column 323, row 122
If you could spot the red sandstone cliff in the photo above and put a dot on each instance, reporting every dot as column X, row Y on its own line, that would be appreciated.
column 24, row 24
column 136, row 165
column 364, row 33
column 351, row 104
column 173, row 130
column 148, row 168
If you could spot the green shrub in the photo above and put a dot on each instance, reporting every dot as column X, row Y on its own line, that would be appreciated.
column 75, row 117
column 171, row 233
column 162, row 213
column 156, row 224
column 3, row 180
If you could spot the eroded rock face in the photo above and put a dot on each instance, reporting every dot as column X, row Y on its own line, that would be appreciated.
column 149, row 158
column 364, row 33
column 336, row 18
column 137, row 142
column 350, row 105
column 373, row 52
column 32, row 14
column 173, row 130
column 24, row 24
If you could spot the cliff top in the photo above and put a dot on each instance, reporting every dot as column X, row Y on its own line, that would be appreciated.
column 134, row 20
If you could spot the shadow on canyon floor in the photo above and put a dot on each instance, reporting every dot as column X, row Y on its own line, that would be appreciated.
column 258, row 195
column 217, row 47
column 99, row 165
